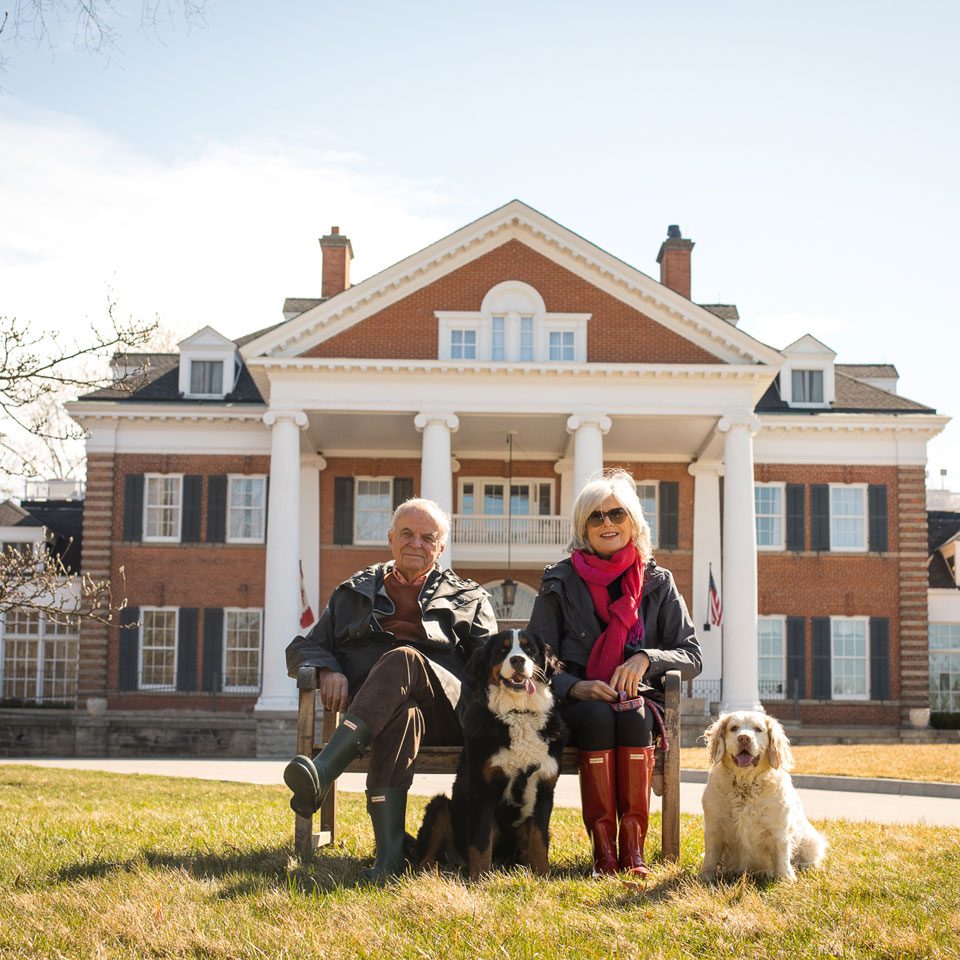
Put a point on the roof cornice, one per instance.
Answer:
(930, 423)
(90, 410)
(515, 220)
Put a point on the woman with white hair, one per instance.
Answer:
(618, 623)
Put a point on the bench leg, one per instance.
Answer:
(306, 717)
(328, 810)
(670, 842)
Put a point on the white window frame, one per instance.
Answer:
(554, 323)
(655, 525)
(781, 544)
(782, 620)
(463, 344)
(951, 651)
(154, 538)
(859, 548)
(356, 511)
(823, 387)
(241, 688)
(207, 344)
(258, 538)
(163, 687)
(532, 482)
(216, 394)
(866, 659)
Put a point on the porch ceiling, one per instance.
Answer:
(633, 437)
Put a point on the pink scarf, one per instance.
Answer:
(622, 617)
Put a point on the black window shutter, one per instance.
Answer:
(133, 506)
(879, 658)
(129, 647)
(877, 512)
(796, 657)
(796, 517)
(820, 516)
(820, 646)
(669, 534)
(343, 510)
(192, 509)
(216, 509)
(402, 490)
(187, 649)
(213, 649)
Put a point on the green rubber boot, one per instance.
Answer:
(388, 812)
(310, 780)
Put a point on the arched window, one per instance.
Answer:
(522, 607)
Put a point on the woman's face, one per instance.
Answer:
(608, 537)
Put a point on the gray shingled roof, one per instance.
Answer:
(869, 371)
(852, 396)
(13, 515)
(725, 311)
(298, 305)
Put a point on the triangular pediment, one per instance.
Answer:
(810, 346)
(518, 224)
(206, 337)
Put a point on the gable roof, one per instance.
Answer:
(13, 515)
(869, 371)
(513, 221)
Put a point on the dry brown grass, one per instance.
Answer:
(936, 762)
(96, 865)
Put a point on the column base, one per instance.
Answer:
(736, 706)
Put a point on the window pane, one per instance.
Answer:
(242, 649)
(162, 506)
(807, 386)
(21, 651)
(463, 344)
(544, 504)
(245, 511)
(60, 659)
(158, 649)
(466, 499)
(373, 511)
(769, 511)
(526, 338)
(520, 500)
(493, 499)
(498, 344)
(849, 658)
(206, 376)
(847, 517)
(647, 494)
(945, 667)
(772, 661)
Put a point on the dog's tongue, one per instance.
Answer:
(528, 685)
(746, 759)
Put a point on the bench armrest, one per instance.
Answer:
(308, 678)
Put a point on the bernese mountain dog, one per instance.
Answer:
(502, 798)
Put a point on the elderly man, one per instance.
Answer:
(390, 646)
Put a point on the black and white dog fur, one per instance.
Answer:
(513, 748)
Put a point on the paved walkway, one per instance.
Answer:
(820, 804)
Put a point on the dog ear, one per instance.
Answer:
(551, 664)
(715, 736)
(779, 754)
(476, 673)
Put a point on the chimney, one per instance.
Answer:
(674, 260)
(337, 253)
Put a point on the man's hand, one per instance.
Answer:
(629, 674)
(333, 690)
(592, 690)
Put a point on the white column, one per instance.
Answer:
(282, 586)
(436, 465)
(310, 469)
(741, 688)
(588, 431)
(706, 556)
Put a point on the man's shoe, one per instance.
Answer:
(311, 780)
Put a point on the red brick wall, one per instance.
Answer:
(616, 332)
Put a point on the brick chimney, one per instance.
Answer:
(337, 253)
(674, 260)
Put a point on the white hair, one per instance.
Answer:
(431, 507)
(621, 486)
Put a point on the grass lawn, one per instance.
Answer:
(937, 762)
(97, 865)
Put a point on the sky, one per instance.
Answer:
(810, 151)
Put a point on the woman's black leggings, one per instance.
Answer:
(594, 726)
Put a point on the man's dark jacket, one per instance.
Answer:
(348, 638)
(563, 616)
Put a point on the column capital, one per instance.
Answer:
(450, 420)
(297, 417)
(564, 463)
(731, 420)
(316, 460)
(699, 467)
(599, 420)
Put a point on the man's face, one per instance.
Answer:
(415, 542)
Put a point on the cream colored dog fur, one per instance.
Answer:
(753, 822)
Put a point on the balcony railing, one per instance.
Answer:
(484, 530)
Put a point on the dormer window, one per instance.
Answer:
(208, 365)
(513, 325)
(206, 378)
(807, 386)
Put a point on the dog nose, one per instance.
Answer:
(744, 738)
(517, 663)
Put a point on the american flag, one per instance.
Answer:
(716, 607)
(306, 614)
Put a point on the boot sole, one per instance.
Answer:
(306, 799)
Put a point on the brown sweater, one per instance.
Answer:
(406, 621)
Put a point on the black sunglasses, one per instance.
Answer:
(616, 515)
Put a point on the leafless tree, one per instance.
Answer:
(38, 371)
(96, 25)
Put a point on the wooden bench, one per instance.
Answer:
(444, 760)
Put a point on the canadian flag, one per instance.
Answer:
(306, 614)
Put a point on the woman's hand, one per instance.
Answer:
(592, 690)
(629, 675)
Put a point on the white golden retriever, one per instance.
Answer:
(753, 822)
